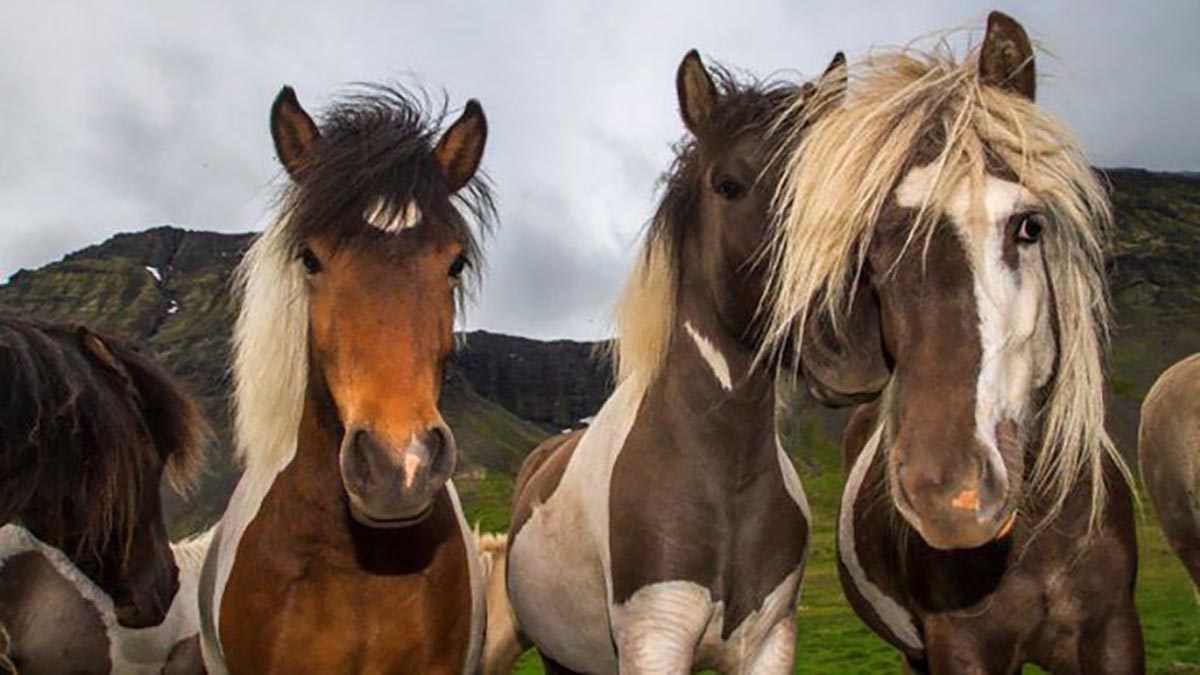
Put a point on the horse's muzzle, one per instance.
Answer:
(390, 486)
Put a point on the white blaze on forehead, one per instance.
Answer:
(1017, 343)
(381, 214)
(712, 356)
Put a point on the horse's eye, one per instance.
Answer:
(729, 188)
(311, 263)
(456, 268)
(1029, 228)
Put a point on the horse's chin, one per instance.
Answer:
(390, 521)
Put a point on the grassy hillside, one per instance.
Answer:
(167, 290)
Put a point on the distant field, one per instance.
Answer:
(831, 637)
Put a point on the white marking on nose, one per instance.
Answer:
(411, 464)
(712, 356)
(380, 214)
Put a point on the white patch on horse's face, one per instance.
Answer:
(1018, 347)
(712, 356)
(380, 214)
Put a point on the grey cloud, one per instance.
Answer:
(132, 114)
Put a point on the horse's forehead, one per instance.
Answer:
(974, 211)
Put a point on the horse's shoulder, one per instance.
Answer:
(540, 474)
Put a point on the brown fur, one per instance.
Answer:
(88, 427)
(1169, 453)
(356, 559)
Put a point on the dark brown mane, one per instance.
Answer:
(79, 414)
(744, 105)
(377, 141)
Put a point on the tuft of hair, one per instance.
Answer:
(644, 315)
(190, 552)
(375, 151)
(83, 416)
(840, 175)
(6, 663)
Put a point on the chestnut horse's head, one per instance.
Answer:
(941, 246)
(378, 250)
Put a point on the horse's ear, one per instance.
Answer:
(293, 130)
(852, 369)
(830, 91)
(460, 149)
(696, 91)
(1006, 57)
(835, 79)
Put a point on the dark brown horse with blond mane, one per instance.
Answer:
(671, 534)
(940, 253)
(89, 582)
(344, 547)
(1169, 458)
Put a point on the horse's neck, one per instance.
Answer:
(712, 379)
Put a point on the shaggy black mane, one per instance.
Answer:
(81, 417)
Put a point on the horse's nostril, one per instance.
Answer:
(439, 443)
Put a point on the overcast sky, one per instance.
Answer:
(148, 113)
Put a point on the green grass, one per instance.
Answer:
(831, 637)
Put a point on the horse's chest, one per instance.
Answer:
(737, 536)
(329, 620)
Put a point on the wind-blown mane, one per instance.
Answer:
(375, 150)
(840, 176)
(80, 417)
(644, 316)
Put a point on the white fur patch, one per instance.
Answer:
(712, 356)
(381, 215)
(478, 611)
(559, 566)
(1017, 343)
(791, 481)
(675, 627)
(658, 628)
(139, 651)
(243, 507)
(898, 619)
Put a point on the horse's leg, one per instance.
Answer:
(777, 653)
(955, 647)
(658, 628)
(1114, 646)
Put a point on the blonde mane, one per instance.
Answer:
(841, 174)
(644, 316)
(270, 364)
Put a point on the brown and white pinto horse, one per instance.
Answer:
(88, 580)
(940, 251)
(1169, 455)
(671, 534)
(344, 547)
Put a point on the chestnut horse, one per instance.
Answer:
(88, 580)
(940, 252)
(344, 547)
(672, 533)
(1169, 454)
